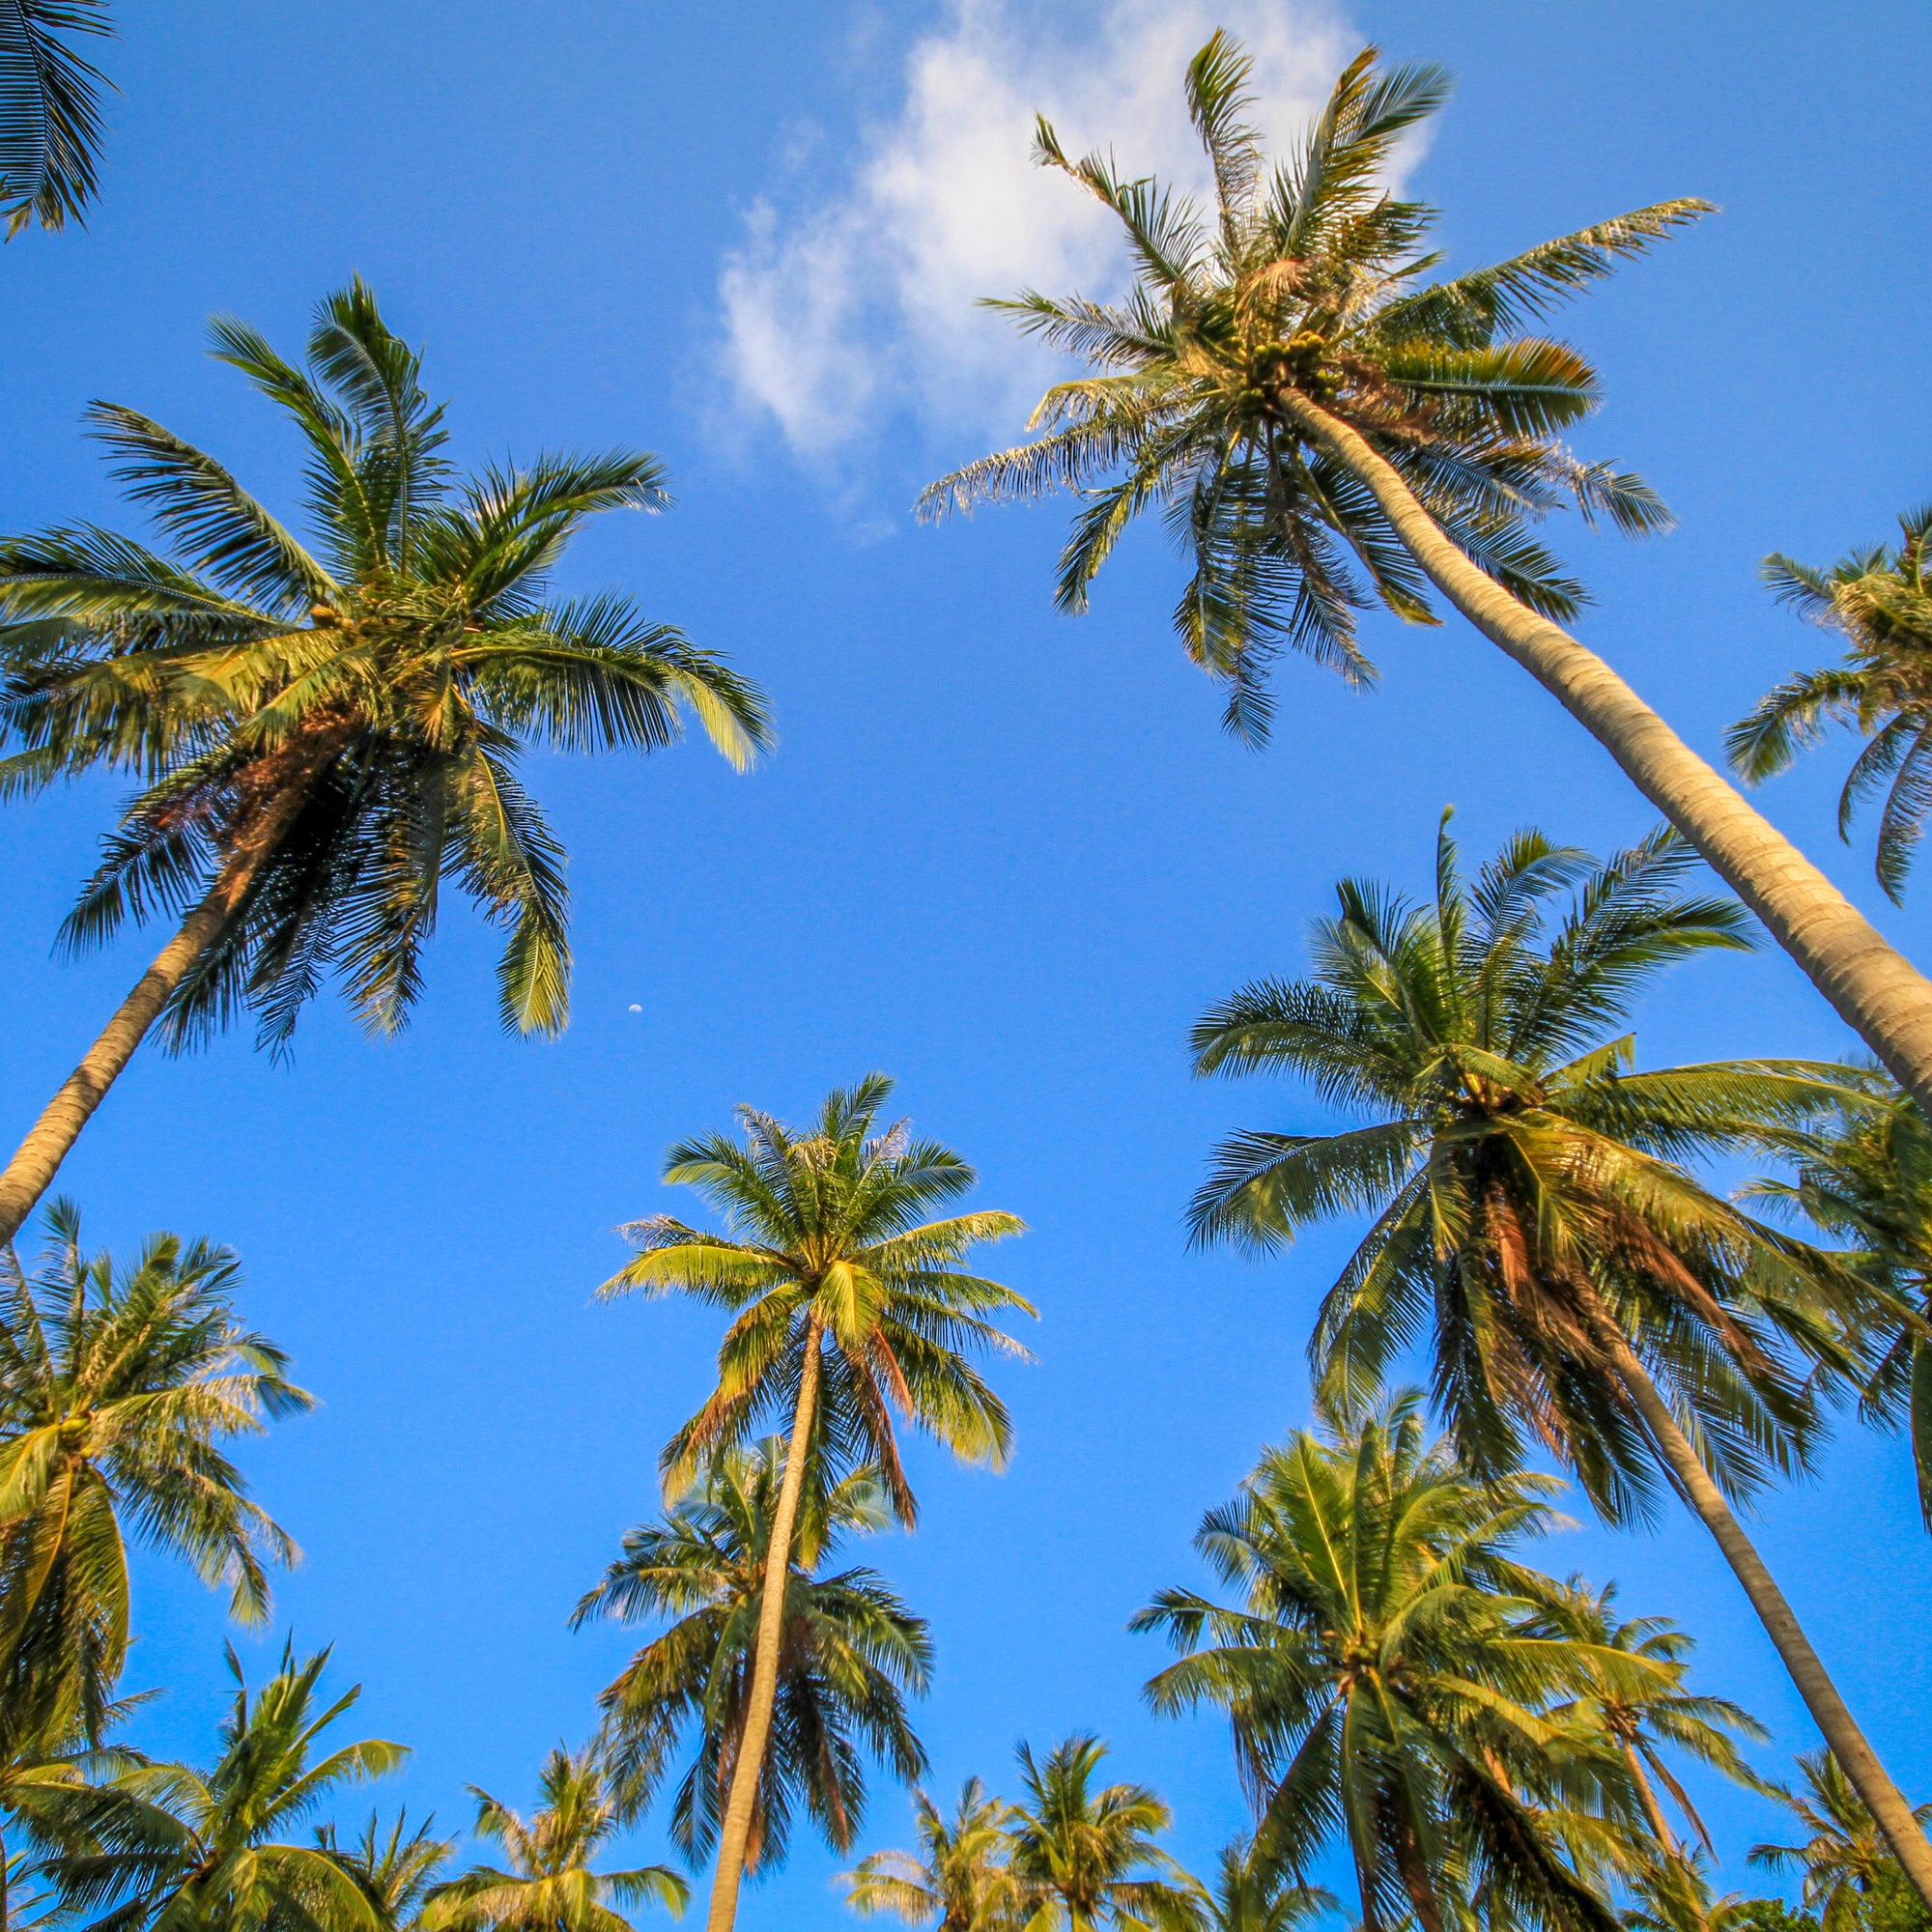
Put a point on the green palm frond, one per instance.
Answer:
(51, 124)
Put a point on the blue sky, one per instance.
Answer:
(1004, 854)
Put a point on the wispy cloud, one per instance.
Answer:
(858, 310)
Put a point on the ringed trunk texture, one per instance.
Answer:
(285, 788)
(1872, 986)
(736, 1831)
(1873, 1784)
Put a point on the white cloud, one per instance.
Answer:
(841, 316)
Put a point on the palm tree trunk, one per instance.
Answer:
(736, 1830)
(27, 1176)
(1873, 987)
(1868, 1776)
(1647, 1797)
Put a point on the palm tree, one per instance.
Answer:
(846, 1308)
(1325, 432)
(550, 1886)
(958, 1880)
(1256, 1890)
(1845, 1858)
(1879, 602)
(164, 1848)
(1084, 1859)
(49, 112)
(325, 737)
(395, 1872)
(1863, 1173)
(1390, 1671)
(116, 1389)
(1584, 1291)
(849, 1651)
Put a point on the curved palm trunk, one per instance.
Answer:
(1840, 1729)
(1647, 1797)
(736, 1831)
(27, 1176)
(1873, 987)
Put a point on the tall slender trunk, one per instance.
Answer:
(27, 1176)
(736, 1831)
(1415, 1879)
(1647, 1797)
(1869, 1777)
(1873, 987)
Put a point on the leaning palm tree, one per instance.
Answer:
(1326, 430)
(50, 111)
(1879, 602)
(1390, 1673)
(849, 1654)
(164, 1848)
(1529, 1214)
(1082, 1859)
(1845, 1858)
(846, 1307)
(325, 736)
(959, 1879)
(117, 1389)
(1863, 1174)
(550, 1886)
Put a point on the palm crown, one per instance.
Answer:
(1844, 1857)
(550, 1887)
(1523, 1181)
(1304, 286)
(849, 1653)
(1879, 602)
(116, 1389)
(343, 721)
(958, 1880)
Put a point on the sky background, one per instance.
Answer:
(1005, 856)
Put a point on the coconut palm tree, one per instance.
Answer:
(50, 111)
(846, 1308)
(1255, 1890)
(116, 1389)
(1880, 603)
(1390, 1672)
(1863, 1173)
(550, 1886)
(164, 1848)
(1581, 1290)
(395, 1872)
(1846, 1860)
(1326, 429)
(959, 1879)
(1085, 1859)
(325, 736)
(849, 1654)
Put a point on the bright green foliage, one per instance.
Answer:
(1306, 283)
(1256, 1890)
(827, 1250)
(50, 111)
(116, 1389)
(1085, 1858)
(1864, 1174)
(550, 1886)
(1879, 602)
(1524, 1183)
(1392, 1674)
(164, 1848)
(395, 1872)
(1767, 1915)
(1852, 1881)
(383, 686)
(959, 1879)
(849, 1653)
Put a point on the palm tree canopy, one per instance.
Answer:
(1389, 1673)
(825, 1249)
(1520, 1177)
(50, 111)
(1085, 1858)
(165, 1848)
(958, 1880)
(396, 1872)
(850, 1654)
(1254, 1889)
(369, 699)
(1880, 603)
(117, 1389)
(550, 1886)
(1306, 282)
(1844, 1857)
